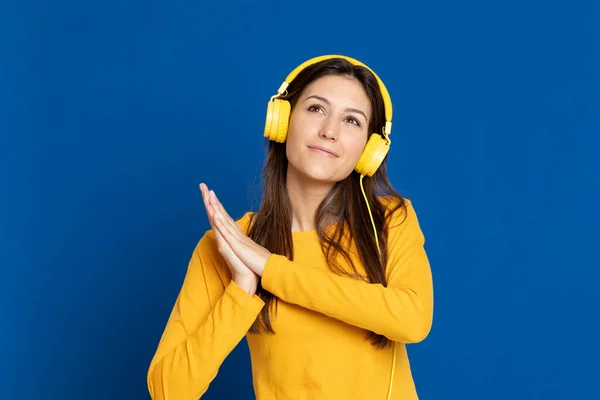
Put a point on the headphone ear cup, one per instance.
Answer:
(269, 120)
(283, 120)
(372, 156)
(272, 120)
(278, 115)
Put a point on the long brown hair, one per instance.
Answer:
(343, 207)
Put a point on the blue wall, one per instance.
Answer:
(112, 112)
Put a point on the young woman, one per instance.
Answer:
(329, 279)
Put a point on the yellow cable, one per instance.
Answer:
(379, 250)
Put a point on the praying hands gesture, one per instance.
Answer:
(244, 257)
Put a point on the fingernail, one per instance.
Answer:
(214, 196)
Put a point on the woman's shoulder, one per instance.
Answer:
(244, 221)
(396, 205)
(399, 211)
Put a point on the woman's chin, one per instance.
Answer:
(317, 174)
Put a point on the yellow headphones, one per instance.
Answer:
(278, 115)
(276, 128)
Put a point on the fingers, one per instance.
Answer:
(216, 212)
(228, 230)
(210, 211)
(222, 243)
(217, 206)
(212, 217)
(205, 198)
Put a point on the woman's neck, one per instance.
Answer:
(305, 196)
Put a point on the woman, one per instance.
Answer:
(329, 279)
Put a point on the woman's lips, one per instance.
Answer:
(323, 151)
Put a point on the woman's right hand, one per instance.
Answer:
(240, 273)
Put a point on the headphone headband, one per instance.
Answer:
(387, 101)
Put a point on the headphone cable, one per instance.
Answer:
(379, 250)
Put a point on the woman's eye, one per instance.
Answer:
(353, 121)
(319, 109)
(315, 107)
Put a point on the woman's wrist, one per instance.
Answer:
(247, 283)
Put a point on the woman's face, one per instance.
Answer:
(328, 129)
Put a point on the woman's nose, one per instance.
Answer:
(329, 131)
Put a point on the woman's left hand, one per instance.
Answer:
(252, 254)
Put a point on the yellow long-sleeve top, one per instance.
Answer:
(319, 350)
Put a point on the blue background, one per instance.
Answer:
(112, 112)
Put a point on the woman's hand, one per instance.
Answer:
(249, 252)
(240, 273)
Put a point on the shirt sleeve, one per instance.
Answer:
(402, 311)
(210, 317)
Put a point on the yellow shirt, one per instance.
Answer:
(319, 350)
